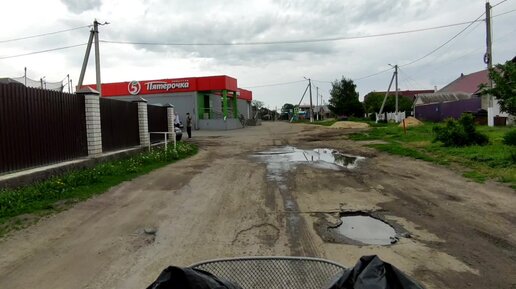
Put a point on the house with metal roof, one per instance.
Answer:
(459, 96)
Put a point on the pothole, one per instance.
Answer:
(366, 229)
(320, 157)
(358, 228)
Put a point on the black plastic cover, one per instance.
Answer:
(371, 272)
(188, 278)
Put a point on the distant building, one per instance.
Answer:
(409, 94)
(459, 96)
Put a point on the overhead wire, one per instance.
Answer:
(298, 41)
(43, 34)
(42, 51)
(275, 84)
(442, 45)
(373, 74)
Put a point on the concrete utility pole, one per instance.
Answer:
(311, 106)
(386, 94)
(396, 93)
(488, 57)
(317, 101)
(97, 56)
(94, 35)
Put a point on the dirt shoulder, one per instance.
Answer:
(222, 203)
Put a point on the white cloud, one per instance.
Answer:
(245, 21)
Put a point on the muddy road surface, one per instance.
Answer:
(266, 191)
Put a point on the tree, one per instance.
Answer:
(373, 102)
(504, 77)
(257, 104)
(287, 110)
(344, 98)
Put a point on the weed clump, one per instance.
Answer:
(510, 138)
(460, 133)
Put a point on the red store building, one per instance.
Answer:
(215, 102)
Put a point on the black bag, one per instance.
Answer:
(188, 278)
(371, 272)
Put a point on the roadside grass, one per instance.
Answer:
(325, 122)
(495, 161)
(21, 206)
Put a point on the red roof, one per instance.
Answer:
(245, 94)
(467, 83)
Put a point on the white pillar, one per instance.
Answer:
(143, 123)
(170, 118)
(93, 128)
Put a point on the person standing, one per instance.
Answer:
(189, 125)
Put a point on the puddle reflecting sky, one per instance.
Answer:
(367, 230)
(288, 157)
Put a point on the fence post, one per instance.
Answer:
(92, 112)
(143, 122)
(171, 117)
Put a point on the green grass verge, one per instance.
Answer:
(56, 193)
(495, 161)
(326, 122)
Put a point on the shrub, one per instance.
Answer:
(510, 138)
(459, 133)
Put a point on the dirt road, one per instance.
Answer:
(226, 202)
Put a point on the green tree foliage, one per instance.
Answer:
(344, 98)
(287, 108)
(510, 137)
(459, 133)
(373, 103)
(257, 104)
(504, 77)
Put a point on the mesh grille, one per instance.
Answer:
(274, 272)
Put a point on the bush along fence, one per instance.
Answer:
(41, 127)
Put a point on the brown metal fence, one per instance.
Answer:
(157, 116)
(119, 124)
(39, 127)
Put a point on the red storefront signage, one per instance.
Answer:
(161, 86)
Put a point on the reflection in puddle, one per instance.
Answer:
(282, 160)
(367, 230)
(322, 158)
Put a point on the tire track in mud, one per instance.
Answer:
(278, 181)
(300, 239)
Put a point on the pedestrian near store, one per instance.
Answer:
(189, 125)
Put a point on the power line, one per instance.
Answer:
(374, 74)
(498, 3)
(506, 12)
(299, 41)
(43, 34)
(275, 84)
(442, 45)
(322, 81)
(42, 51)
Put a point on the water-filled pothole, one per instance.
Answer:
(320, 157)
(364, 228)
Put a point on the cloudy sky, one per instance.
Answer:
(258, 67)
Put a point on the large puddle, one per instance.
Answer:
(288, 157)
(367, 230)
